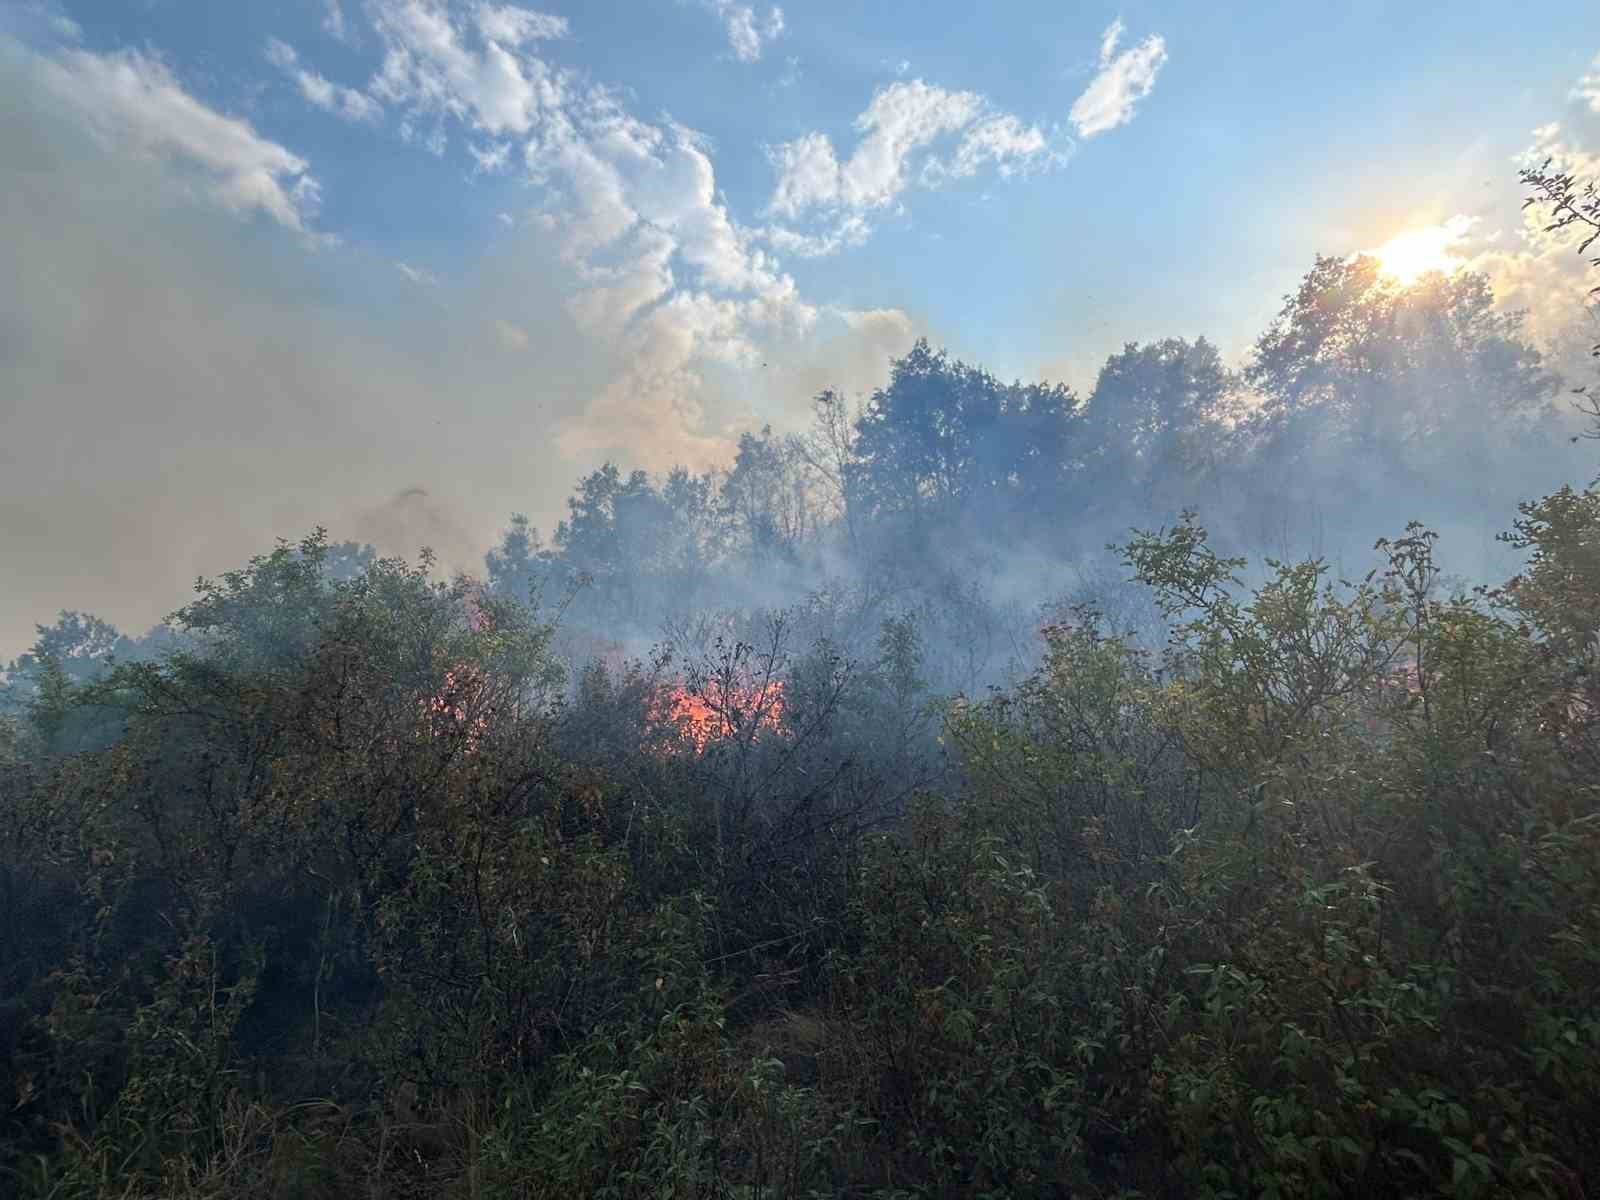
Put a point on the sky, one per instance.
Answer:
(403, 267)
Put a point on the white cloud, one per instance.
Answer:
(808, 174)
(133, 100)
(1124, 79)
(746, 36)
(1587, 89)
(513, 26)
(430, 67)
(1002, 140)
(333, 22)
(851, 230)
(903, 120)
(671, 280)
(491, 159)
(506, 219)
(1539, 270)
(668, 280)
(346, 102)
(1109, 40)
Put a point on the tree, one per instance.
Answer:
(767, 496)
(633, 541)
(1391, 364)
(946, 438)
(1362, 377)
(1153, 422)
(520, 564)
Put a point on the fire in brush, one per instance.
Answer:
(721, 710)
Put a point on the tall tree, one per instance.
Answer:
(769, 496)
(1153, 425)
(1429, 380)
(945, 439)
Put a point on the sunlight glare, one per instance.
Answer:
(1408, 256)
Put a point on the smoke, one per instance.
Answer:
(187, 381)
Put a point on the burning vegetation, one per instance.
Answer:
(718, 710)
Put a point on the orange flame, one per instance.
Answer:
(721, 711)
(463, 684)
(453, 704)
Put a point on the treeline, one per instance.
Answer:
(968, 503)
(1365, 397)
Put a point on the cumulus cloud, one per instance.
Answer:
(1123, 80)
(434, 65)
(747, 36)
(668, 282)
(1536, 269)
(346, 102)
(671, 279)
(132, 100)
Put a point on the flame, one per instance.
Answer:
(720, 710)
(459, 703)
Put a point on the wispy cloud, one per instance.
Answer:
(333, 22)
(133, 99)
(490, 159)
(513, 26)
(747, 37)
(851, 230)
(416, 274)
(898, 130)
(1123, 80)
(1587, 89)
(346, 102)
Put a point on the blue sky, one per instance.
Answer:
(374, 247)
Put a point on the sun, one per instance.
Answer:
(1406, 257)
